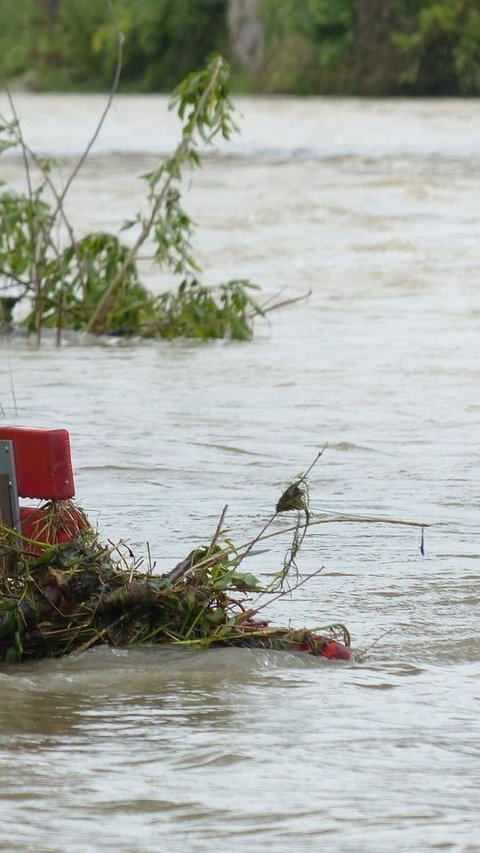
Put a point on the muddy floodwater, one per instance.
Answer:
(373, 206)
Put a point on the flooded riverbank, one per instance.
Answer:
(372, 207)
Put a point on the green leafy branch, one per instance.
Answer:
(93, 284)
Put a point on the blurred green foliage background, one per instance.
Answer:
(359, 47)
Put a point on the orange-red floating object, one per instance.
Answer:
(42, 462)
(336, 651)
(40, 525)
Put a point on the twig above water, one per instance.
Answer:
(266, 308)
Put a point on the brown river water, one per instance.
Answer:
(374, 207)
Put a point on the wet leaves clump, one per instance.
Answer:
(63, 597)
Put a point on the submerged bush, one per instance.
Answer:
(93, 283)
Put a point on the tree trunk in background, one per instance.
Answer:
(374, 60)
(245, 33)
(50, 7)
(373, 20)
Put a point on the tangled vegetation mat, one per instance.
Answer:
(62, 597)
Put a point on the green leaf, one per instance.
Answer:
(245, 581)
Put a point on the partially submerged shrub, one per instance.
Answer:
(93, 283)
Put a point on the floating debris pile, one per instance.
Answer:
(63, 591)
(66, 597)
